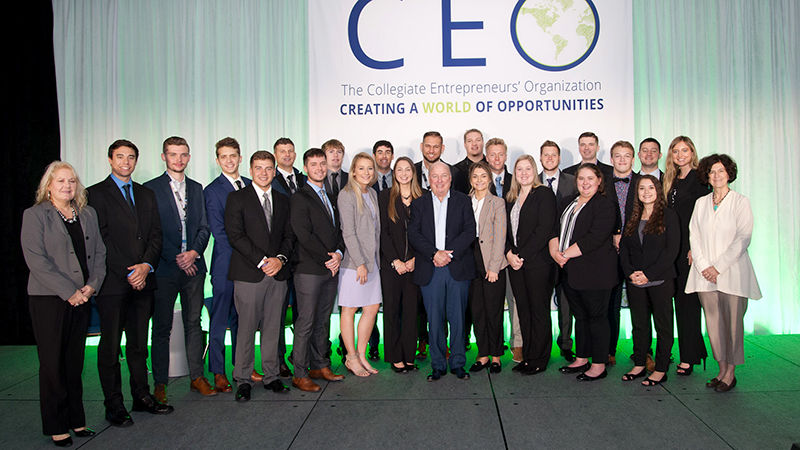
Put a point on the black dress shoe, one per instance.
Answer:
(119, 417)
(286, 372)
(243, 393)
(576, 369)
(495, 368)
(568, 355)
(374, 354)
(584, 377)
(520, 367)
(478, 366)
(460, 373)
(436, 374)
(277, 387)
(532, 370)
(149, 404)
(401, 369)
(66, 442)
(86, 432)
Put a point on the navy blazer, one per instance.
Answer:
(281, 185)
(654, 255)
(459, 236)
(197, 231)
(216, 196)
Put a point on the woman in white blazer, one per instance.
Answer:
(721, 274)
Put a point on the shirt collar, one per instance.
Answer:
(316, 188)
(119, 182)
(286, 174)
(261, 192)
(233, 180)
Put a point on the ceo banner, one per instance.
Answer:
(525, 70)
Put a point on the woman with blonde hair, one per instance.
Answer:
(359, 278)
(66, 256)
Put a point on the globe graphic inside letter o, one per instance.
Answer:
(555, 35)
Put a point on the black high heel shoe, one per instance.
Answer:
(576, 369)
(401, 369)
(684, 371)
(650, 382)
(632, 376)
(86, 432)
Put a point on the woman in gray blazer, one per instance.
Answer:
(67, 260)
(359, 278)
(487, 290)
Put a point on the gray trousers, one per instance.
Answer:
(191, 295)
(258, 303)
(312, 326)
(725, 325)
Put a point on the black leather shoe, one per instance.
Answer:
(460, 373)
(532, 370)
(286, 372)
(495, 368)
(478, 366)
(243, 393)
(568, 355)
(520, 367)
(66, 442)
(576, 369)
(119, 417)
(277, 387)
(149, 404)
(436, 374)
(374, 354)
(86, 432)
(401, 369)
(584, 377)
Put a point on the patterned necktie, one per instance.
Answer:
(128, 198)
(335, 184)
(498, 185)
(238, 184)
(292, 186)
(267, 210)
(324, 196)
(384, 186)
(550, 182)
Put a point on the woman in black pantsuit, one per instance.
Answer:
(583, 246)
(67, 260)
(682, 188)
(649, 246)
(531, 218)
(400, 294)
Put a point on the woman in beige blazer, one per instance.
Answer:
(67, 260)
(721, 273)
(359, 277)
(487, 290)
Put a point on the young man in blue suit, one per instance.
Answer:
(181, 268)
(223, 312)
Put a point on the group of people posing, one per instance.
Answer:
(442, 247)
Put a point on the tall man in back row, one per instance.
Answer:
(441, 231)
(588, 145)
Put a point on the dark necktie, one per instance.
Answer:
(624, 180)
(238, 184)
(335, 184)
(292, 186)
(550, 182)
(128, 198)
(267, 211)
(324, 196)
(384, 186)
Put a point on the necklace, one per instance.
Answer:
(74, 217)
(406, 197)
(717, 202)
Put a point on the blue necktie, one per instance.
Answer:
(498, 185)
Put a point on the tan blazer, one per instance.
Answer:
(492, 233)
(360, 231)
(48, 251)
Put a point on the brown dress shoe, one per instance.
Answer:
(612, 360)
(516, 354)
(201, 385)
(221, 383)
(256, 377)
(305, 384)
(325, 373)
(160, 393)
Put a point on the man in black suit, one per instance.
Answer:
(565, 189)
(337, 177)
(588, 145)
(383, 152)
(131, 228)
(621, 188)
(315, 222)
(287, 178)
(649, 155)
(442, 231)
(473, 144)
(182, 269)
(256, 221)
(432, 146)
(496, 156)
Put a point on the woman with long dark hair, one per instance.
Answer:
(649, 246)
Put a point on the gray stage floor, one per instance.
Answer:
(548, 410)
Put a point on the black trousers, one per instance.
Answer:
(532, 288)
(400, 299)
(130, 312)
(486, 302)
(688, 316)
(655, 301)
(60, 332)
(590, 308)
(614, 308)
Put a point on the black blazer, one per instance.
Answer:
(597, 267)
(129, 238)
(654, 255)
(250, 238)
(566, 192)
(315, 233)
(280, 184)
(537, 219)
(342, 183)
(461, 173)
(459, 237)
(611, 193)
(506, 184)
(394, 235)
(197, 230)
(376, 186)
(684, 193)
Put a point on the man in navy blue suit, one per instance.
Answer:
(181, 268)
(442, 231)
(223, 312)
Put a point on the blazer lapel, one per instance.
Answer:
(484, 216)
(166, 189)
(252, 197)
(116, 194)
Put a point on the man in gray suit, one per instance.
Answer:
(563, 185)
